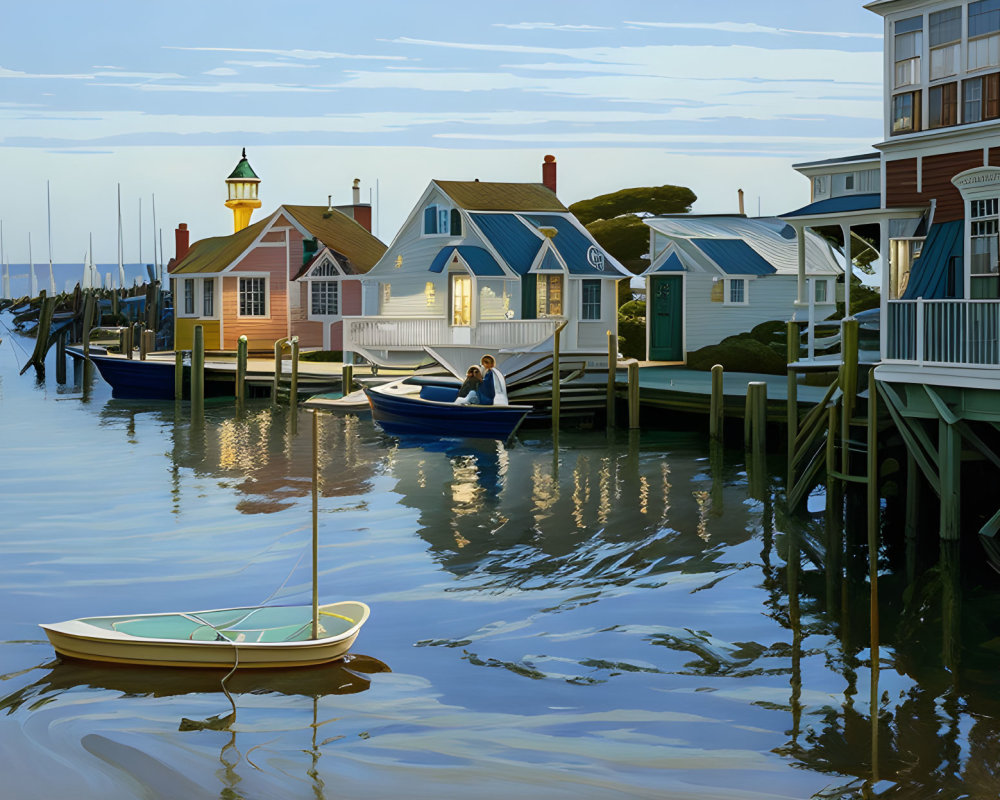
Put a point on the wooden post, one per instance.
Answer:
(849, 387)
(873, 541)
(315, 527)
(143, 342)
(612, 377)
(757, 411)
(949, 465)
(128, 342)
(717, 410)
(61, 357)
(178, 375)
(792, 402)
(114, 305)
(88, 323)
(198, 374)
(278, 346)
(346, 379)
(241, 370)
(293, 389)
(150, 340)
(633, 395)
(556, 386)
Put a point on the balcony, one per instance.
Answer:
(944, 332)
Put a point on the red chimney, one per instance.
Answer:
(182, 241)
(549, 173)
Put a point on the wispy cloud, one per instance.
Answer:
(305, 55)
(549, 26)
(272, 64)
(219, 88)
(221, 72)
(13, 73)
(751, 27)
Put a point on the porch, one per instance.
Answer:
(943, 332)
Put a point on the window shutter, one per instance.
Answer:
(430, 219)
(991, 96)
(456, 222)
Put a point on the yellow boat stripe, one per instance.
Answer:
(338, 616)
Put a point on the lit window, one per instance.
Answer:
(253, 297)
(549, 296)
(908, 46)
(208, 298)
(461, 300)
(189, 295)
(906, 112)
(591, 294)
(325, 296)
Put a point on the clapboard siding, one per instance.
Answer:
(901, 183)
(937, 174)
(261, 332)
(994, 157)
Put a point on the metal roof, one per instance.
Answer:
(483, 196)
(517, 244)
(583, 256)
(839, 205)
(929, 277)
(772, 239)
(672, 264)
(550, 262)
(243, 170)
(734, 256)
(872, 156)
(479, 260)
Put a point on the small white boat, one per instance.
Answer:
(255, 636)
(266, 636)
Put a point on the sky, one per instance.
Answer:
(160, 98)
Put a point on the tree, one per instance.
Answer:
(665, 199)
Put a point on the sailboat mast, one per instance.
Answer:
(5, 286)
(48, 204)
(140, 231)
(155, 265)
(121, 246)
(315, 521)
(32, 278)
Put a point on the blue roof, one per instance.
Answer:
(672, 264)
(574, 246)
(479, 260)
(516, 243)
(839, 205)
(929, 277)
(734, 256)
(549, 261)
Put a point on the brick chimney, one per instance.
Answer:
(182, 241)
(549, 173)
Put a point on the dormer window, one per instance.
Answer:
(442, 221)
(908, 44)
(984, 34)
(945, 42)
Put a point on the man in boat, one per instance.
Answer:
(493, 389)
(469, 393)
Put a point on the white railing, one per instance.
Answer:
(944, 332)
(413, 333)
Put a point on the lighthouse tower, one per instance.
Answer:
(242, 193)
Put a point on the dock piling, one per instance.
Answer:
(612, 377)
(556, 387)
(88, 322)
(198, 374)
(241, 370)
(346, 379)
(717, 406)
(61, 357)
(792, 401)
(633, 395)
(293, 388)
(755, 417)
(278, 347)
(178, 375)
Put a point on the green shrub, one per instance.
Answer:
(738, 354)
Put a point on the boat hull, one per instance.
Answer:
(81, 639)
(410, 415)
(135, 379)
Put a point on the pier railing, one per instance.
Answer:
(944, 332)
(412, 333)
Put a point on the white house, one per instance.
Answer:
(489, 266)
(715, 276)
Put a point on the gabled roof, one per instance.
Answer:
(737, 245)
(483, 196)
(671, 264)
(577, 247)
(243, 170)
(479, 260)
(333, 229)
(516, 243)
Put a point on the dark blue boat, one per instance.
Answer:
(152, 379)
(434, 413)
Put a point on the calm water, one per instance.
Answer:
(615, 619)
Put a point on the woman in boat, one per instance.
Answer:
(469, 393)
(493, 389)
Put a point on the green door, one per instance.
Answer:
(666, 318)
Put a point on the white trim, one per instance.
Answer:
(267, 297)
(727, 283)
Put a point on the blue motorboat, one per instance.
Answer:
(434, 412)
(149, 379)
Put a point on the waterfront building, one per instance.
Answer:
(939, 158)
(294, 273)
(487, 266)
(716, 276)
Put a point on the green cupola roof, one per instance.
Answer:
(243, 170)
